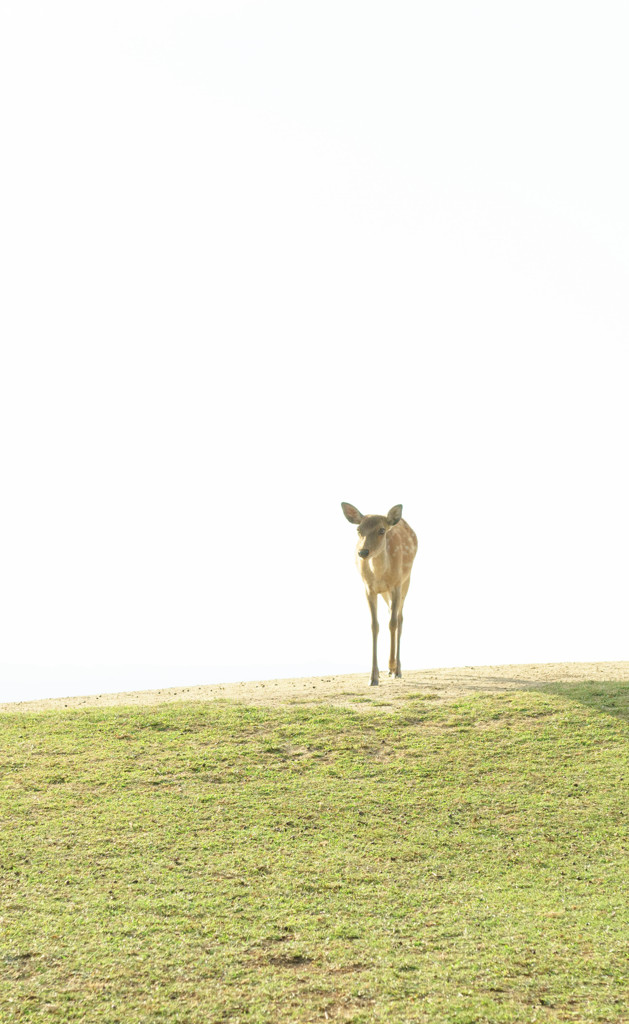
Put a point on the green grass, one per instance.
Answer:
(218, 863)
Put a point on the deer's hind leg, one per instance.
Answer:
(400, 619)
(395, 601)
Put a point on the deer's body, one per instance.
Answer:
(384, 555)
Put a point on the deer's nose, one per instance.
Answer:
(363, 552)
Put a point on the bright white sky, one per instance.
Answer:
(260, 258)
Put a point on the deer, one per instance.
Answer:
(384, 556)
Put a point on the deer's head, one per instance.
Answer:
(372, 530)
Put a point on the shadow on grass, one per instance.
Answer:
(610, 698)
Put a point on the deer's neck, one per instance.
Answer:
(381, 561)
(374, 571)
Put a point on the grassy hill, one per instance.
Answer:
(207, 863)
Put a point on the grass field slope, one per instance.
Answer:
(226, 863)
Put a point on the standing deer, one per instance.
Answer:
(384, 556)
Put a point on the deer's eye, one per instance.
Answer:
(381, 530)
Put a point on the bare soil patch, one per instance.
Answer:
(443, 685)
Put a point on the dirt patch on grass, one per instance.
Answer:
(353, 691)
(290, 960)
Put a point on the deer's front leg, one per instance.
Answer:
(373, 608)
(400, 619)
(395, 625)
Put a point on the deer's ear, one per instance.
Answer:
(394, 515)
(351, 512)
